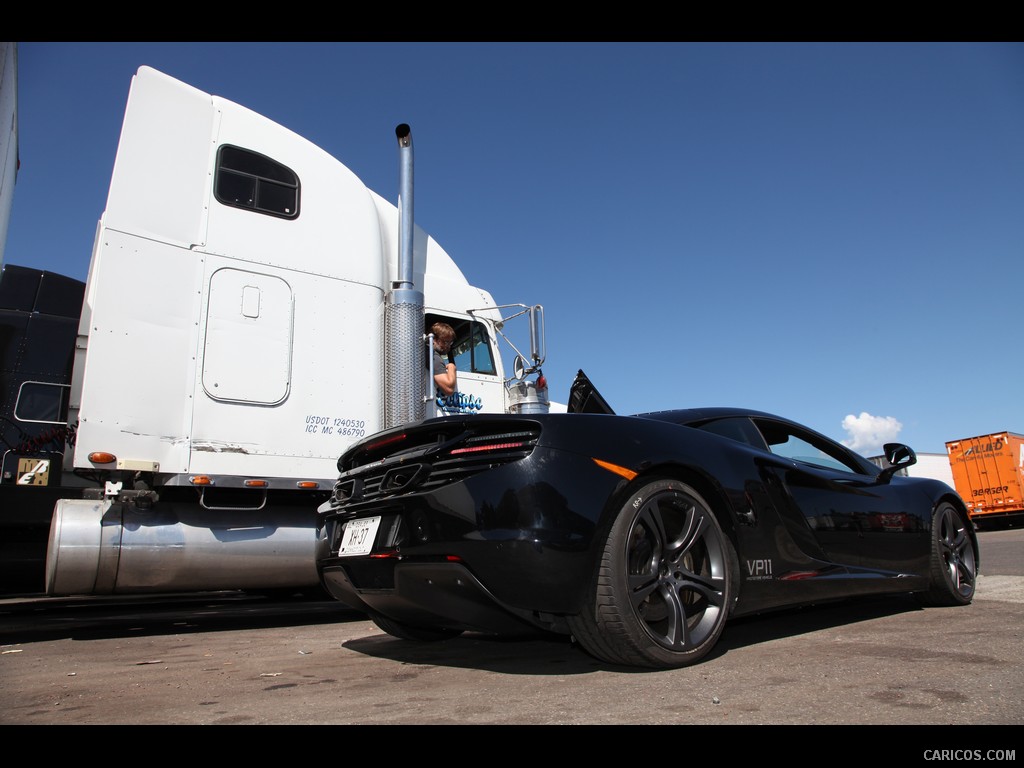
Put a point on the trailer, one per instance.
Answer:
(251, 309)
(988, 471)
(39, 313)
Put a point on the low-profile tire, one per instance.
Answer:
(953, 559)
(408, 632)
(665, 584)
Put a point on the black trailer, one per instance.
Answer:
(39, 316)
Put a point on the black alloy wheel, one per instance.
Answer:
(953, 559)
(665, 584)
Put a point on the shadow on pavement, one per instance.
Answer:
(91, 618)
(558, 655)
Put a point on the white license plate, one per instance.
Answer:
(357, 536)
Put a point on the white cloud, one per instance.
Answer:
(868, 433)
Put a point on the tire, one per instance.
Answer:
(417, 634)
(665, 583)
(953, 560)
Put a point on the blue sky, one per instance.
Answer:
(832, 232)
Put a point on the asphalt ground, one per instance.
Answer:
(235, 659)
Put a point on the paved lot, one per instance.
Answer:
(235, 659)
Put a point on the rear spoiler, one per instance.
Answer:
(584, 397)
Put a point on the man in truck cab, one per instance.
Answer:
(444, 370)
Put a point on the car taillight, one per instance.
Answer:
(503, 442)
(490, 447)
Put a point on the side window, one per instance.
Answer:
(473, 351)
(805, 448)
(250, 180)
(472, 347)
(735, 429)
(39, 401)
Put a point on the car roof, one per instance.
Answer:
(692, 415)
(695, 416)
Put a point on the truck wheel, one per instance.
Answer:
(953, 559)
(665, 584)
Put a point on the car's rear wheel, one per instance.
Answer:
(953, 559)
(665, 583)
(408, 632)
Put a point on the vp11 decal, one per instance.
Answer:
(759, 570)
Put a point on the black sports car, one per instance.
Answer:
(639, 535)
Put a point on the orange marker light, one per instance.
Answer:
(629, 474)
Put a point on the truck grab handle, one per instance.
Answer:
(428, 391)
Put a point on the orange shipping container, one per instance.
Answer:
(988, 471)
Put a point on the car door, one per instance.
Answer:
(857, 520)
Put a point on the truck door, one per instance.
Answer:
(479, 388)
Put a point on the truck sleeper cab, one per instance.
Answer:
(232, 345)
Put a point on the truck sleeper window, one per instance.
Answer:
(250, 180)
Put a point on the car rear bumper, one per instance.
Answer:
(434, 594)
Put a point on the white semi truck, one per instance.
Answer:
(251, 308)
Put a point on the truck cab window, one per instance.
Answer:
(250, 180)
(473, 352)
(472, 347)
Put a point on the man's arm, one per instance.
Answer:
(446, 381)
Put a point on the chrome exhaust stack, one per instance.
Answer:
(403, 314)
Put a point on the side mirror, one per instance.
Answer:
(538, 345)
(899, 456)
(519, 367)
